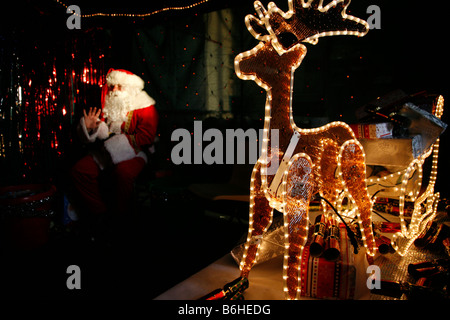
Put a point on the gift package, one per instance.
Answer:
(326, 279)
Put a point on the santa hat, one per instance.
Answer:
(124, 78)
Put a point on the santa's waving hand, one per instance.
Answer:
(127, 127)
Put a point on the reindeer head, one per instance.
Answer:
(305, 21)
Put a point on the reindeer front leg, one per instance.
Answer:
(353, 171)
(297, 190)
(260, 218)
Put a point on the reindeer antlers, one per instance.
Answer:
(257, 26)
(325, 21)
(305, 21)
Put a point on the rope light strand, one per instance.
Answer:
(135, 15)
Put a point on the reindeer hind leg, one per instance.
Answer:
(353, 173)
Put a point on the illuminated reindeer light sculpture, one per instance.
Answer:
(299, 163)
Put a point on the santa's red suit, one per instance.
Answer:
(123, 152)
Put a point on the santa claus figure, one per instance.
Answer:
(122, 133)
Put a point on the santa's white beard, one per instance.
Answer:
(117, 105)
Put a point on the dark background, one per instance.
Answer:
(47, 60)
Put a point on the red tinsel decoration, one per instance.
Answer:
(49, 84)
